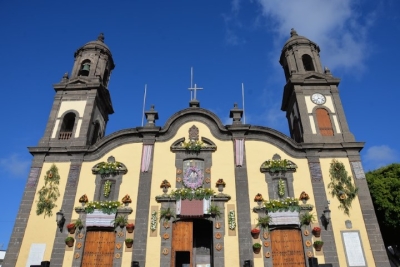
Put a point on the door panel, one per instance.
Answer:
(287, 248)
(182, 240)
(99, 249)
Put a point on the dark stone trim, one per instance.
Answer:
(24, 211)
(142, 214)
(58, 252)
(371, 222)
(319, 194)
(285, 176)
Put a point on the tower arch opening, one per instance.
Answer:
(67, 126)
(307, 63)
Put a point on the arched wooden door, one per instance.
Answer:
(99, 249)
(182, 243)
(287, 248)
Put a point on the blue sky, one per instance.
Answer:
(226, 42)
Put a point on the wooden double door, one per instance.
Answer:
(192, 244)
(287, 248)
(99, 249)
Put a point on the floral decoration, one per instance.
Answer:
(316, 229)
(83, 199)
(304, 196)
(220, 182)
(258, 198)
(193, 177)
(165, 184)
(281, 188)
(49, 192)
(107, 207)
(231, 220)
(153, 223)
(126, 199)
(107, 188)
(278, 165)
(287, 204)
(108, 168)
(70, 226)
(187, 193)
(255, 231)
(193, 145)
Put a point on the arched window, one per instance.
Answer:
(96, 133)
(85, 68)
(67, 126)
(324, 122)
(307, 63)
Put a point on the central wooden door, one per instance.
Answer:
(287, 248)
(182, 244)
(99, 249)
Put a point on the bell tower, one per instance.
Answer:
(311, 97)
(82, 103)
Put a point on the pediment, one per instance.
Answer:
(314, 76)
(78, 81)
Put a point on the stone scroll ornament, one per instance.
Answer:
(49, 192)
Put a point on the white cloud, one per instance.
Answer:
(15, 165)
(378, 156)
(335, 26)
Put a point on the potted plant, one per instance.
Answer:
(304, 197)
(255, 233)
(83, 199)
(71, 228)
(126, 200)
(69, 241)
(130, 227)
(120, 221)
(256, 248)
(128, 242)
(215, 211)
(78, 224)
(307, 218)
(318, 245)
(165, 185)
(264, 221)
(220, 184)
(166, 214)
(258, 198)
(316, 231)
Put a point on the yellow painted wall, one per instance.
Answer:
(338, 217)
(40, 229)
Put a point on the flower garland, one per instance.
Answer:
(279, 165)
(49, 192)
(106, 207)
(193, 145)
(187, 193)
(153, 223)
(287, 204)
(193, 177)
(107, 188)
(231, 220)
(281, 188)
(106, 168)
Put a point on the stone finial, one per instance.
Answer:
(101, 37)
(151, 117)
(327, 71)
(194, 103)
(236, 114)
(65, 78)
(293, 33)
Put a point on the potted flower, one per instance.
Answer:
(71, 228)
(264, 221)
(255, 233)
(316, 231)
(318, 245)
(165, 185)
(215, 211)
(166, 214)
(120, 221)
(78, 224)
(304, 197)
(83, 199)
(128, 242)
(258, 198)
(307, 218)
(130, 227)
(220, 184)
(69, 241)
(126, 200)
(256, 248)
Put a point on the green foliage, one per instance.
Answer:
(214, 210)
(341, 186)
(256, 245)
(106, 207)
(318, 243)
(108, 168)
(49, 192)
(69, 238)
(79, 223)
(264, 221)
(188, 193)
(384, 186)
(307, 218)
(278, 165)
(120, 221)
(166, 214)
(129, 240)
(287, 204)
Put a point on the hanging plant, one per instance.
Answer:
(107, 188)
(106, 207)
(231, 220)
(278, 165)
(187, 193)
(281, 188)
(341, 186)
(49, 192)
(153, 223)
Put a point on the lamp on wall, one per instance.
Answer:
(60, 220)
(326, 217)
(247, 263)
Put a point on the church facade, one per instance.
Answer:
(195, 192)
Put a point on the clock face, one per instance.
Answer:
(318, 99)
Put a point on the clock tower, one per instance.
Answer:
(311, 97)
